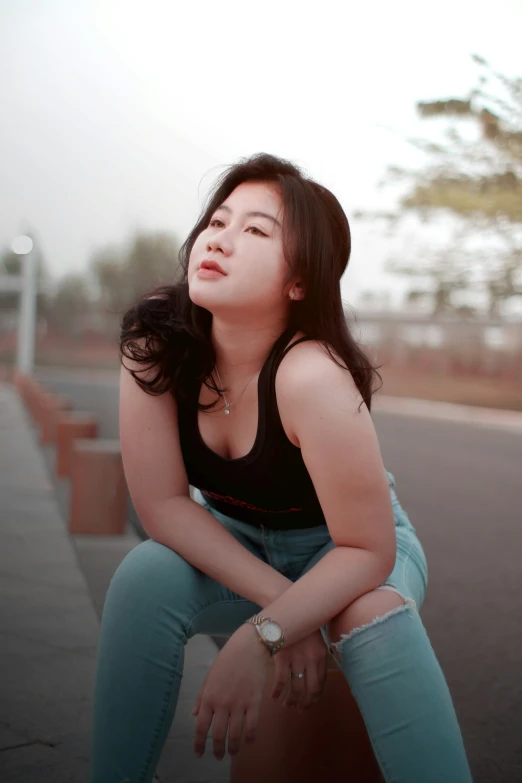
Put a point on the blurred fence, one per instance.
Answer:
(445, 345)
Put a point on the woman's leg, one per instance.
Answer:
(395, 677)
(401, 691)
(155, 602)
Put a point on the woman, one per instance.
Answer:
(294, 518)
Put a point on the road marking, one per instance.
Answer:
(430, 409)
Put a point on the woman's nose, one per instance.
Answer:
(220, 241)
(212, 246)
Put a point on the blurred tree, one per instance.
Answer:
(152, 261)
(475, 179)
(479, 177)
(442, 277)
(107, 271)
(115, 278)
(376, 299)
(121, 275)
(70, 305)
(10, 262)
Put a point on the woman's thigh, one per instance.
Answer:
(156, 585)
(410, 573)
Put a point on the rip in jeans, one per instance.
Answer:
(336, 647)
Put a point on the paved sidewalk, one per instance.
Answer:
(52, 591)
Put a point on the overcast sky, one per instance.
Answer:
(116, 115)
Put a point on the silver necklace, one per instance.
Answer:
(228, 404)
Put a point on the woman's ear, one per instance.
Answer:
(298, 291)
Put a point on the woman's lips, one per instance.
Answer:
(209, 273)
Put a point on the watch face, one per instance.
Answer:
(271, 631)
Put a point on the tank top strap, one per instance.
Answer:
(277, 356)
(288, 347)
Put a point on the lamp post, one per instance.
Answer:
(23, 246)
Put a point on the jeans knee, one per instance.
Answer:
(407, 606)
(149, 576)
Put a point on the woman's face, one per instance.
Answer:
(244, 237)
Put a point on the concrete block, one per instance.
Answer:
(326, 742)
(52, 406)
(70, 427)
(98, 489)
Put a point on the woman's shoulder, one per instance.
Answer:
(307, 374)
(311, 365)
(310, 356)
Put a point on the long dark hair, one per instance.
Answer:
(170, 335)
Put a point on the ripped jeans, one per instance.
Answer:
(157, 601)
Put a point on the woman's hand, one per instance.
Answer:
(231, 693)
(308, 656)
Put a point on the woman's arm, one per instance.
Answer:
(158, 485)
(319, 404)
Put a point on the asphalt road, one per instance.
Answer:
(461, 485)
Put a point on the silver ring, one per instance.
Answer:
(300, 675)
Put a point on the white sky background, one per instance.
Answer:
(116, 115)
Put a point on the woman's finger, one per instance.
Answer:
(297, 689)
(219, 732)
(251, 721)
(195, 708)
(235, 729)
(282, 673)
(314, 685)
(202, 728)
(197, 705)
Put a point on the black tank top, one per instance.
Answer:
(270, 485)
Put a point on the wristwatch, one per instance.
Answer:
(270, 632)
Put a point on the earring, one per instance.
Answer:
(292, 294)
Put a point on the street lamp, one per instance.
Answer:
(23, 246)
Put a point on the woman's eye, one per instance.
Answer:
(217, 223)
